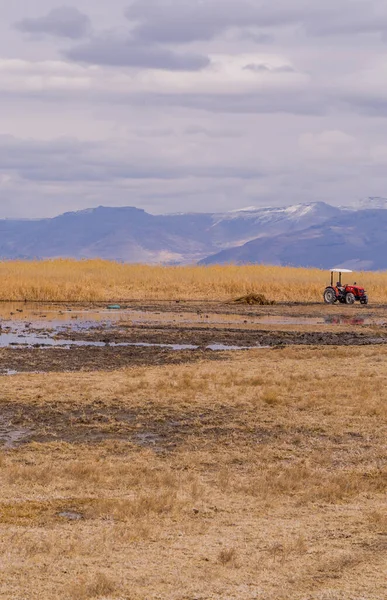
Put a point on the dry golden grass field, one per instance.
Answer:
(95, 280)
(259, 477)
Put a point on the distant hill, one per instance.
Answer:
(354, 239)
(313, 234)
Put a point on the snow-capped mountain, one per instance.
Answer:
(238, 227)
(352, 239)
(313, 234)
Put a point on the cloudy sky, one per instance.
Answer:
(191, 105)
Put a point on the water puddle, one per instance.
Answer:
(28, 326)
(323, 320)
(39, 326)
(56, 316)
(71, 515)
(333, 320)
(42, 313)
(30, 339)
(42, 343)
(147, 439)
(223, 347)
(11, 438)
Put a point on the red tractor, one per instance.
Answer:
(346, 294)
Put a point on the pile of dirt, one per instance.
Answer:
(255, 299)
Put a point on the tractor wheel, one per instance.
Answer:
(330, 296)
(350, 298)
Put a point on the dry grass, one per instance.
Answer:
(100, 586)
(96, 280)
(267, 479)
(228, 556)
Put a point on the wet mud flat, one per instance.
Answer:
(204, 337)
(191, 311)
(42, 360)
(207, 345)
(43, 338)
(159, 428)
(164, 470)
(231, 307)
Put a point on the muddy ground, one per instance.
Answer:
(159, 428)
(249, 476)
(38, 360)
(230, 324)
(155, 427)
(227, 336)
(212, 329)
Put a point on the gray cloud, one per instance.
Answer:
(111, 50)
(69, 160)
(182, 21)
(346, 17)
(65, 21)
(256, 37)
(367, 103)
(307, 103)
(195, 130)
(263, 68)
(304, 102)
(250, 129)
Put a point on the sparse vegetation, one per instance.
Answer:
(99, 587)
(200, 478)
(96, 280)
(227, 557)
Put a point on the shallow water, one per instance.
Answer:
(71, 515)
(20, 311)
(10, 438)
(323, 320)
(40, 326)
(30, 339)
(56, 316)
(45, 325)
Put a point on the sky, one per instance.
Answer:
(191, 105)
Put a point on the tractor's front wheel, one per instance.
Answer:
(330, 296)
(350, 298)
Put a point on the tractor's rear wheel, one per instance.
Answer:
(330, 296)
(350, 298)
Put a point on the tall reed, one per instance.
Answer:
(98, 280)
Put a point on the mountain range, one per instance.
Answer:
(311, 235)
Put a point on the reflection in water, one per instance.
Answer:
(34, 340)
(336, 320)
(322, 320)
(40, 316)
(39, 325)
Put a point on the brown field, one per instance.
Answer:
(94, 280)
(258, 477)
